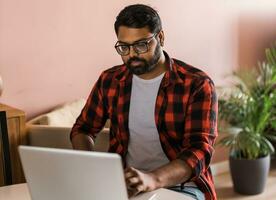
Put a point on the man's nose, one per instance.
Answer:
(132, 52)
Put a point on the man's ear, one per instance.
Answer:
(161, 37)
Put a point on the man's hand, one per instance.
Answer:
(138, 181)
(82, 142)
(173, 173)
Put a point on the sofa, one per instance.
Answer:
(52, 129)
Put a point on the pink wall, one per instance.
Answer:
(256, 33)
(53, 51)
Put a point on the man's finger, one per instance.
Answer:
(133, 181)
(130, 169)
(134, 191)
(130, 172)
(140, 188)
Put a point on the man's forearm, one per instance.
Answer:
(82, 142)
(171, 174)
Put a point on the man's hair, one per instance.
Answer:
(138, 16)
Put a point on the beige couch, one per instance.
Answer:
(53, 129)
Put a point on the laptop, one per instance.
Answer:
(63, 174)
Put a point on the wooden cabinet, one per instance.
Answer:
(17, 136)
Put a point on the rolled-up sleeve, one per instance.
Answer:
(200, 127)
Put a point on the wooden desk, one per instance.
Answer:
(17, 136)
(15, 192)
(21, 192)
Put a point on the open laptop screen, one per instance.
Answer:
(70, 174)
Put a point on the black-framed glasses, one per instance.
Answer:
(139, 47)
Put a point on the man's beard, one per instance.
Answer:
(145, 66)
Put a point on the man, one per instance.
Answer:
(163, 112)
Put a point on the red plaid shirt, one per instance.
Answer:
(185, 116)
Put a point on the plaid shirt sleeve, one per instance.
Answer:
(93, 116)
(200, 127)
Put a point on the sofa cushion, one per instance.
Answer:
(62, 116)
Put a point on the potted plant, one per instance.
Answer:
(248, 114)
(270, 76)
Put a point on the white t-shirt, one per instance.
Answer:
(144, 149)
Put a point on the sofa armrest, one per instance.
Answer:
(49, 136)
(59, 137)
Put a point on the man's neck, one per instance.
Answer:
(158, 70)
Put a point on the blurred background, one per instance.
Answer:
(53, 51)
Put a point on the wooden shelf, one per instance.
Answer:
(17, 136)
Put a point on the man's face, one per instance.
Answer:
(139, 62)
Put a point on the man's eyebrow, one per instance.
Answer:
(137, 41)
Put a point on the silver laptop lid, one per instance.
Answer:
(60, 174)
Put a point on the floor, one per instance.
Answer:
(225, 190)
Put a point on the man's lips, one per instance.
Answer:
(136, 63)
